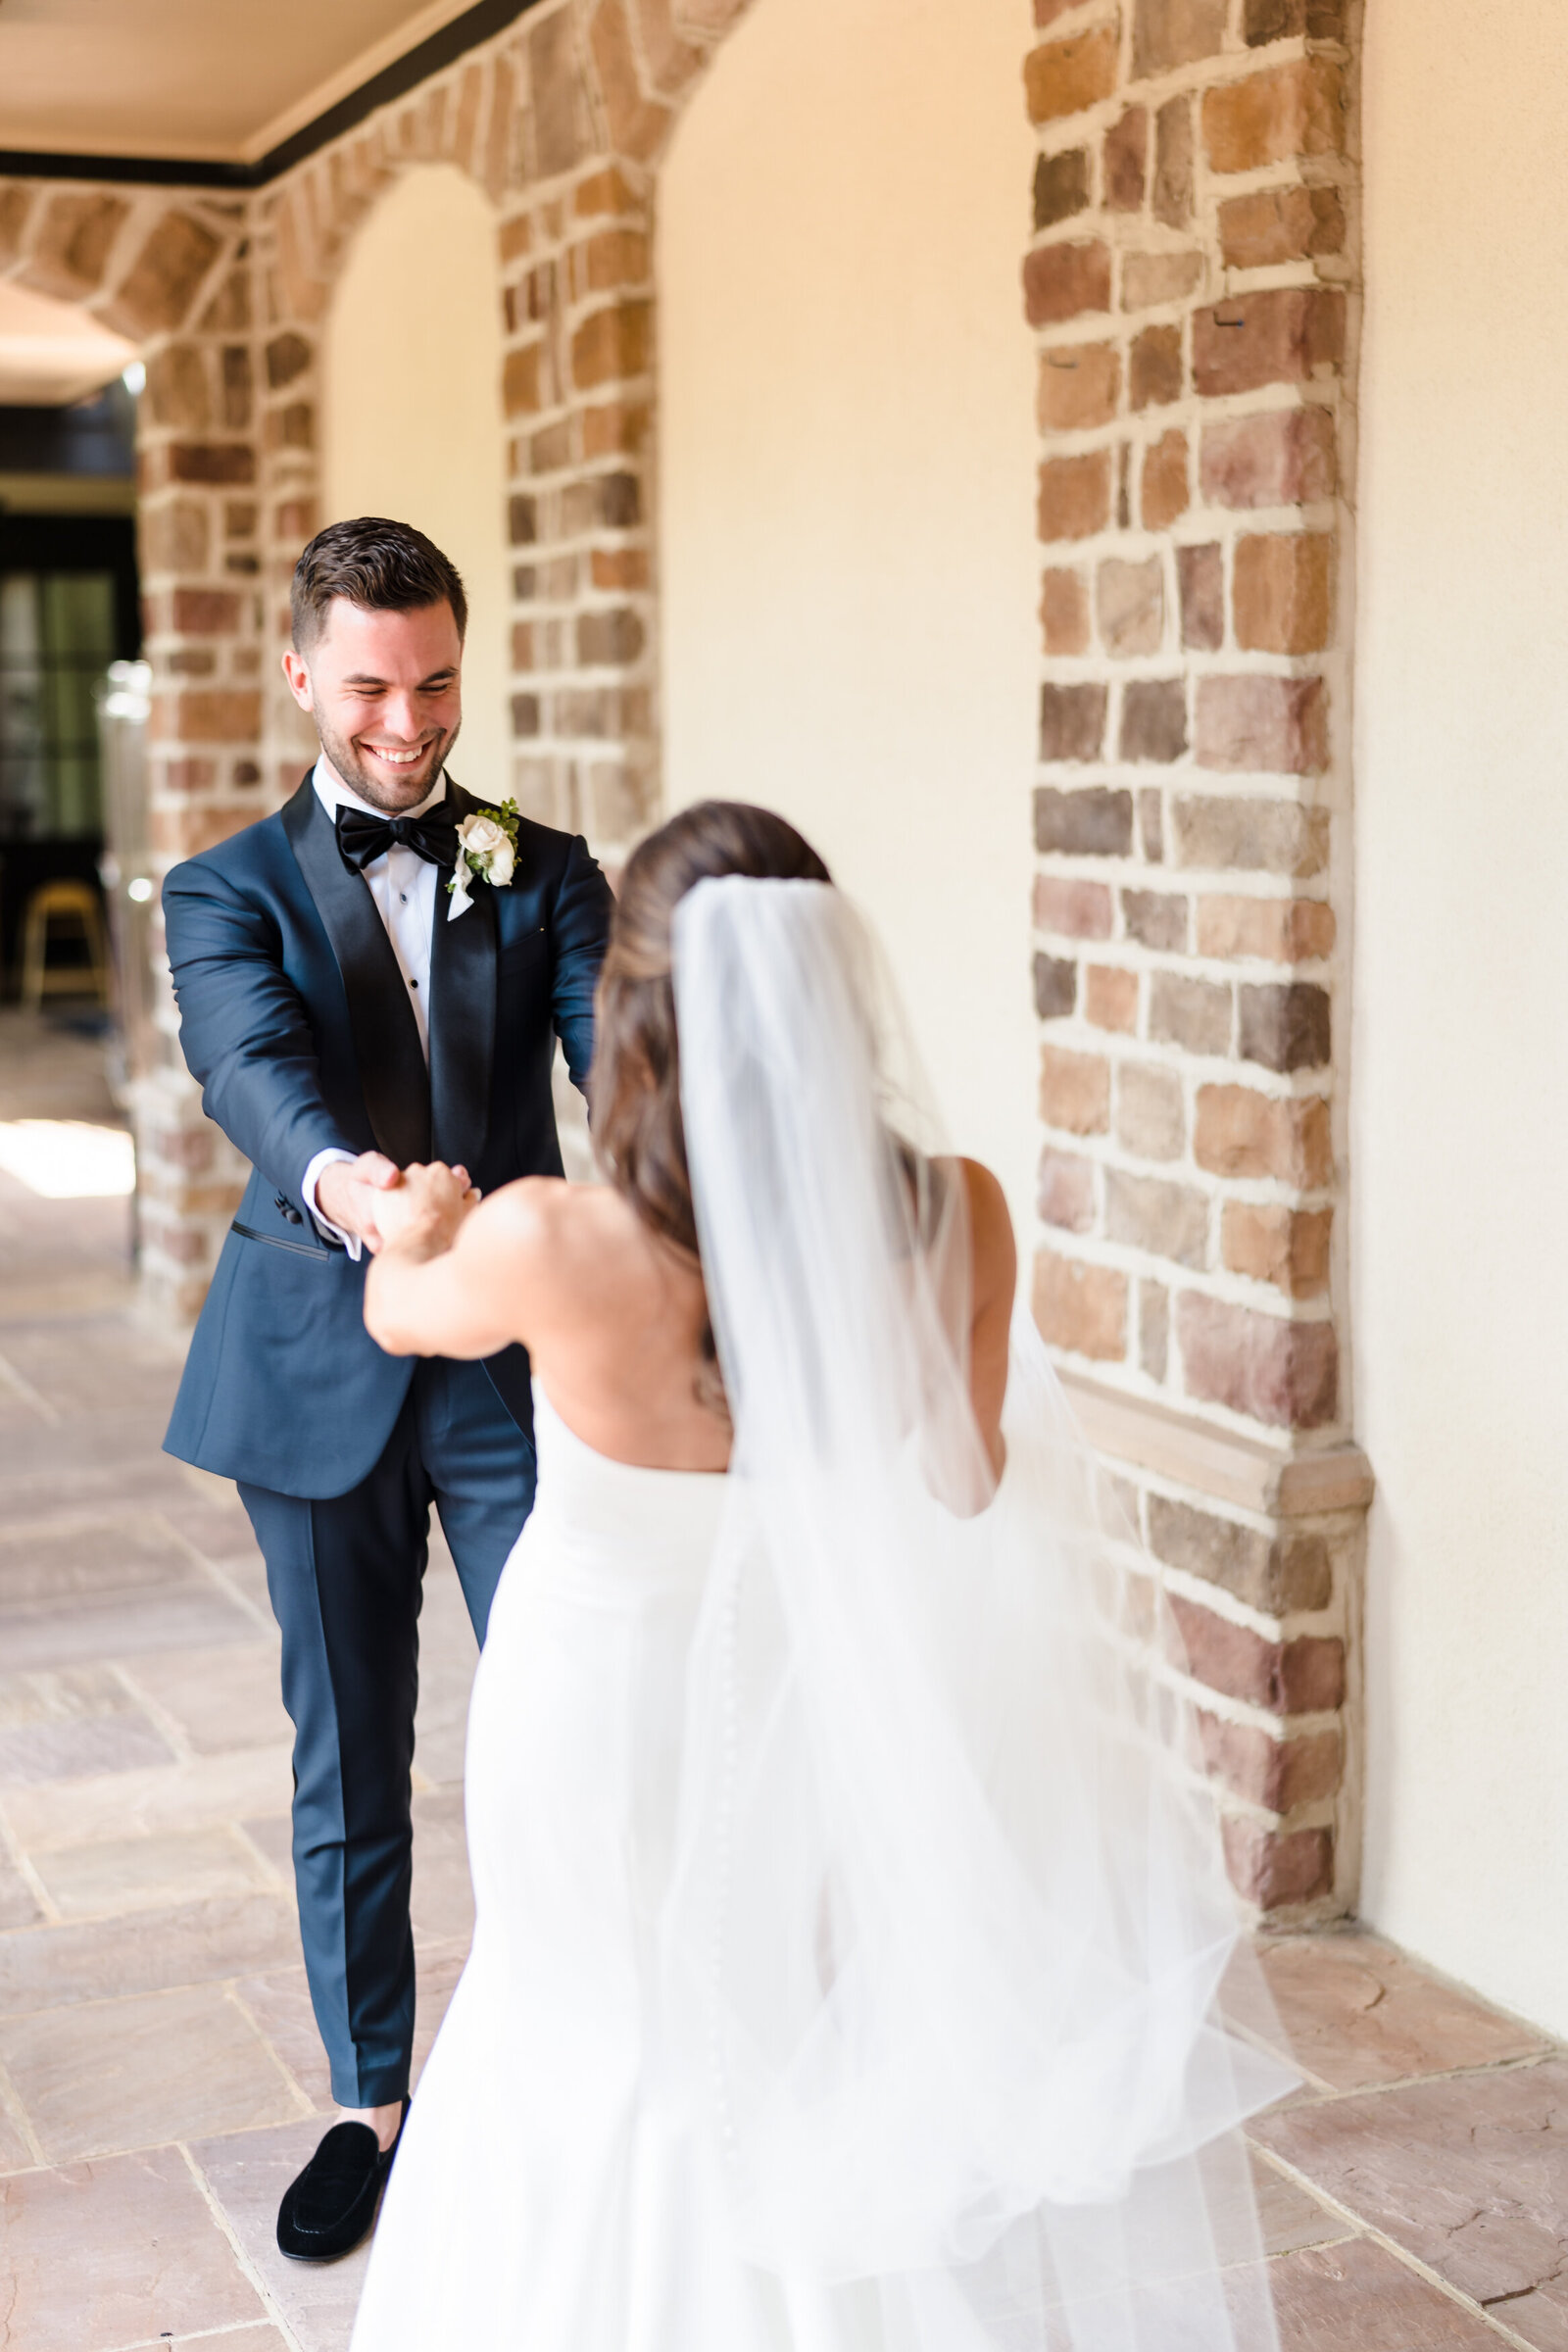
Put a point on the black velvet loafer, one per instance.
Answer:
(331, 2205)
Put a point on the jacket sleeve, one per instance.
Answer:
(244, 1029)
(580, 928)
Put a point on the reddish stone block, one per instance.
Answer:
(208, 462)
(1155, 373)
(1130, 598)
(1065, 613)
(606, 191)
(612, 344)
(1154, 720)
(1282, 1373)
(1093, 823)
(1166, 1220)
(1284, 1026)
(1155, 918)
(1150, 1121)
(1243, 1133)
(1302, 1677)
(1150, 279)
(1063, 77)
(1286, 1247)
(1284, 459)
(1165, 497)
(1125, 162)
(1280, 225)
(1268, 930)
(1273, 1868)
(1063, 280)
(1080, 1308)
(1074, 1091)
(1176, 33)
(1200, 575)
(620, 428)
(619, 568)
(1065, 1191)
(1171, 197)
(1055, 979)
(189, 776)
(1061, 186)
(1283, 336)
(637, 124)
(1275, 117)
(515, 237)
(1076, 909)
(1074, 500)
(1080, 385)
(221, 716)
(1275, 726)
(1277, 1774)
(206, 612)
(1110, 997)
(559, 106)
(1283, 592)
(1278, 837)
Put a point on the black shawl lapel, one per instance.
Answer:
(386, 1036)
(462, 1014)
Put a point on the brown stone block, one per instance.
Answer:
(1156, 373)
(522, 637)
(166, 274)
(1055, 984)
(1065, 613)
(178, 390)
(606, 191)
(1282, 1373)
(238, 386)
(1276, 1774)
(186, 832)
(1194, 1014)
(288, 356)
(1080, 385)
(1201, 574)
(1176, 33)
(558, 112)
(1283, 592)
(292, 426)
(1281, 224)
(1275, 117)
(1151, 1119)
(550, 451)
(1276, 1866)
(619, 429)
(1151, 824)
(1125, 162)
(1278, 837)
(1302, 1676)
(1155, 918)
(1273, 1574)
(671, 60)
(1061, 186)
(1149, 279)
(1171, 198)
(230, 312)
(189, 775)
(1270, 930)
(515, 237)
(522, 519)
(1285, 1025)
(1074, 500)
(1097, 822)
(612, 344)
(615, 258)
(1081, 1308)
(1168, 1220)
(619, 568)
(1065, 1191)
(209, 461)
(1063, 77)
(1074, 1091)
(1287, 1247)
(1063, 280)
(611, 638)
(519, 380)
(224, 715)
(1283, 336)
(1285, 458)
(206, 612)
(1076, 909)
(72, 244)
(707, 16)
(295, 521)
(16, 203)
(1164, 497)
(1243, 1133)
(1110, 997)
(1154, 720)
(1154, 1333)
(1130, 599)
(637, 123)
(1275, 726)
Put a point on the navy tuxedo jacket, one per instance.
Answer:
(295, 1018)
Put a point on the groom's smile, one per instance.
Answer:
(385, 692)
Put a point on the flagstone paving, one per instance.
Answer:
(160, 2074)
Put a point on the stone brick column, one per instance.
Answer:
(1194, 282)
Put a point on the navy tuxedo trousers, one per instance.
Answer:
(346, 1577)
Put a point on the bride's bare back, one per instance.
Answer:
(612, 1317)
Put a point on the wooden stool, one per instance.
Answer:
(71, 902)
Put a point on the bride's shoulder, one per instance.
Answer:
(557, 1231)
(992, 1244)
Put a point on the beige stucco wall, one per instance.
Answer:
(412, 417)
(846, 493)
(1459, 1136)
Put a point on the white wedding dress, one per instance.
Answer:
(850, 1917)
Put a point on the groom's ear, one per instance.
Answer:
(297, 675)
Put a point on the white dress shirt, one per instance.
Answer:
(403, 885)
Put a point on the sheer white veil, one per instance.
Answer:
(949, 1920)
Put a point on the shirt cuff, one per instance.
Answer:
(323, 1225)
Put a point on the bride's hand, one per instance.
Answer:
(420, 1216)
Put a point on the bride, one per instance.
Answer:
(850, 1926)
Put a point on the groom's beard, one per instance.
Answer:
(392, 795)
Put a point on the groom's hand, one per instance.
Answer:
(349, 1194)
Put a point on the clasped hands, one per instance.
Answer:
(379, 1202)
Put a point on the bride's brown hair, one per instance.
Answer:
(634, 1089)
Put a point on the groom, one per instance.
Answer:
(347, 1014)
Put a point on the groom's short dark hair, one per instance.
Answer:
(379, 565)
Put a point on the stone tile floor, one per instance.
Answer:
(159, 2079)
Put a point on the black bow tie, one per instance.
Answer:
(362, 838)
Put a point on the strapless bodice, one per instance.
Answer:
(617, 1524)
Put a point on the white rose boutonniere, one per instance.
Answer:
(487, 851)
